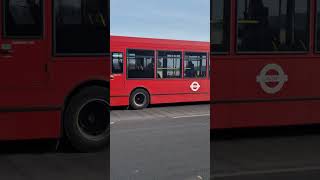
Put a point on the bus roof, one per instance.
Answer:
(155, 43)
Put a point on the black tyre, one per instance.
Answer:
(139, 99)
(87, 119)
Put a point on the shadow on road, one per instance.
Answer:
(266, 153)
(28, 147)
(40, 160)
(162, 105)
(36, 147)
(266, 132)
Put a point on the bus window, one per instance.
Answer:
(273, 25)
(23, 18)
(81, 27)
(140, 63)
(220, 25)
(209, 68)
(318, 27)
(117, 63)
(195, 65)
(169, 64)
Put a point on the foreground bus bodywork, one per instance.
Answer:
(50, 69)
(265, 63)
(169, 80)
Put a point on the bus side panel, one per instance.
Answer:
(263, 114)
(241, 78)
(171, 91)
(83, 71)
(176, 98)
(119, 101)
(219, 116)
(34, 125)
(30, 125)
(239, 95)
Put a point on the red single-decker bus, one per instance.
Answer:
(153, 71)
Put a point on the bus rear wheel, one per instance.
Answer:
(87, 120)
(139, 99)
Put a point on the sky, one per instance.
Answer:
(167, 19)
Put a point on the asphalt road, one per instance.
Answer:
(169, 143)
(35, 161)
(173, 143)
(277, 154)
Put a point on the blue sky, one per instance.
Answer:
(169, 19)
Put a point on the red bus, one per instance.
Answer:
(265, 63)
(152, 71)
(54, 70)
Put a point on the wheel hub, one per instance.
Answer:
(93, 118)
(140, 99)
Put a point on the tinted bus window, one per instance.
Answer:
(140, 64)
(23, 18)
(318, 27)
(273, 25)
(195, 65)
(169, 65)
(81, 27)
(117, 63)
(209, 68)
(220, 24)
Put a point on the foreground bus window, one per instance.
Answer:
(80, 27)
(54, 83)
(220, 25)
(273, 25)
(158, 71)
(318, 28)
(23, 18)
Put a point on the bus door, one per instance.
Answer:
(117, 72)
(23, 50)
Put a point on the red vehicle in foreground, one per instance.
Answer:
(152, 71)
(265, 63)
(54, 70)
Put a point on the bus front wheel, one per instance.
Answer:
(139, 99)
(87, 119)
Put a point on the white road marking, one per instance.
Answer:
(191, 116)
(265, 172)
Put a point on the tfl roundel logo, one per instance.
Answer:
(195, 86)
(272, 78)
